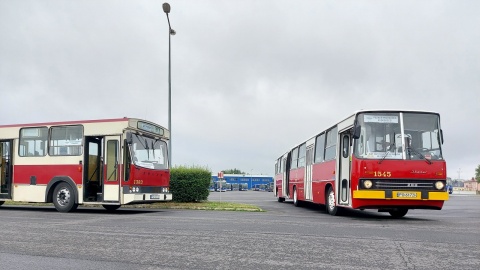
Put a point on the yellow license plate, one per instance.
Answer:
(406, 195)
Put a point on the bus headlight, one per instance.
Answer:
(367, 184)
(439, 185)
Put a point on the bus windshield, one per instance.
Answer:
(149, 153)
(384, 136)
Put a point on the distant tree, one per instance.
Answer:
(477, 174)
(233, 171)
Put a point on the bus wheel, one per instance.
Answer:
(332, 207)
(295, 197)
(64, 198)
(2, 202)
(280, 199)
(110, 207)
(398, 213)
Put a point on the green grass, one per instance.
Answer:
(208, 205)
(218, 206)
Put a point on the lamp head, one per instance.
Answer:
(166, 7)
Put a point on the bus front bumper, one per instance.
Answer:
(146, 197)
(401, 195)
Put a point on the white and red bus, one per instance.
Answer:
(109, 162)
(375, 159)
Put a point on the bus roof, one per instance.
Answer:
(67, 122)
(95, 127)
(391, 110)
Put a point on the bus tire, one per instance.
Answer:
(331, 205)
(280, 199)
(110, 207)
(64, 198)
(296, 202)
(2, 202)
(398, 213)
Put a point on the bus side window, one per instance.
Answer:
(331, 143)
(32, 141)
(319, 148)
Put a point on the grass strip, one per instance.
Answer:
(208, 205)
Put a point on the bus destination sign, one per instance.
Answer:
(150, 128)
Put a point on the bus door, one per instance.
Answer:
(111, 175)
(286, 176)
(92, 169)
(344, 168)
(308, 173)
(6, 149)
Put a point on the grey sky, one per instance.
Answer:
(250, 79)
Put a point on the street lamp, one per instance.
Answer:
(171, 32)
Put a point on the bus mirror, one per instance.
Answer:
(356, 131)
(129, 138)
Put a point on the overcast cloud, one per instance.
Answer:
(250, 79)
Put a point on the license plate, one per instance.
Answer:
(407, 195)
(155, 197)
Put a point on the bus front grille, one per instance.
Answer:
(401, 184)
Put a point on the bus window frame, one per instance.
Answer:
(319, 148)
(22, 140)
(77, 147)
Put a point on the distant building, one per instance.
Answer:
(457, 183)
(242, 182)
(471, 185)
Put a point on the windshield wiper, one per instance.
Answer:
(388, 152)
(410, 149)
(146, 148)
(153, 149)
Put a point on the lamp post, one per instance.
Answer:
(171, 32)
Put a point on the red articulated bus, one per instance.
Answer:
(109, 162)
(375, 159)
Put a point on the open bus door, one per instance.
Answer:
(92, 171)
(111, 175)
(6, 169)
(101, 169)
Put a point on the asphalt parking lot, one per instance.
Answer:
(284, 236)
